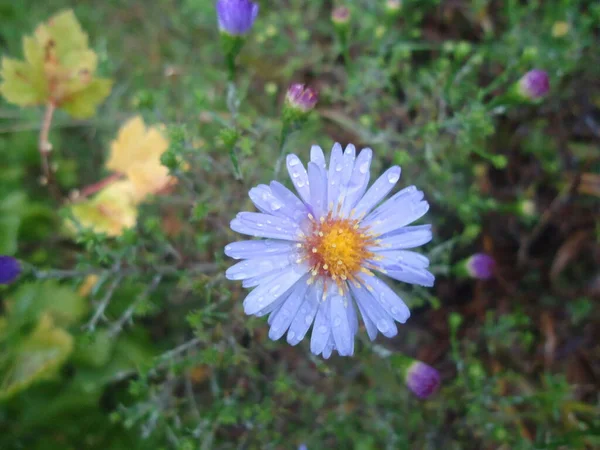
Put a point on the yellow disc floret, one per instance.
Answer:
(337, 248)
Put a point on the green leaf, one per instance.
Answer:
(36, 358)
(11, 210)
(33, 300)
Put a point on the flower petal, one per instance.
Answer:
(256, 267)
(402, 209)
(334, 176)
(321, 330)
(387, 298)
(382, 320)
(317, 156)
(305, 316)
(329, 348)
(258, 248)
(288, 310)
(412, 275)
(359, 180)
(299, 177)
(382, 186)
(264, 225)
(318, 190)
(347, 169)
(268, 292)
(294, 207)
(388, 259)
(406, 237)
(369, 325)
(340, 327)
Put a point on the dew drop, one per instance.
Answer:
(301, 183)
(382, 325)
(338, 168)
(308, 319)
(364, 168)
(274, 290)
(291, 335)
(394, 310)
(337, 321)
(295, 174)
(322, 329)
(393, 177)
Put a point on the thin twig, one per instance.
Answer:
(178, 350)
(560, 201)
(128, 314)
(91, 325)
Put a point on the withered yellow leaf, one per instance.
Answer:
(110, 211)
(59, 68)
(136, 153)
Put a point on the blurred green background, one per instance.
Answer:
(170, 361)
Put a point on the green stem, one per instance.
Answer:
(285, 130)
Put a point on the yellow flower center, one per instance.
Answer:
(337, 248)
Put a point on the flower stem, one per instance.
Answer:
(45, 147)
(93, 188)
(285, 130)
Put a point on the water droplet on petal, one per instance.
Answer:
(274, 290)
(291, 335)
(337, 321)
(394, 310)
(308, 319)
(338, 168)
(364, 168)
(393, 177)
(322, 329)
(382, 325)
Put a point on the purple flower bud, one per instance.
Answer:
(301, 97)
(393, 6)
(422, 379)
(340, 15)
(534, 84)
(480, 266)
(236, 17)
(10, 269)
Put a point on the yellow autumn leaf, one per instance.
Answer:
(136, 153)
(59, 68)
(111, 211)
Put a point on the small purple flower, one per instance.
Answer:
(422, 379)
(236, 17)
(393, 6)
(534, 84)
(10, 269)
(480, 266)
(302, 97)
(340, 15)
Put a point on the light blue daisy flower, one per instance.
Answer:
(316, 265)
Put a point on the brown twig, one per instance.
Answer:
(45, 147)
(557, 204)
